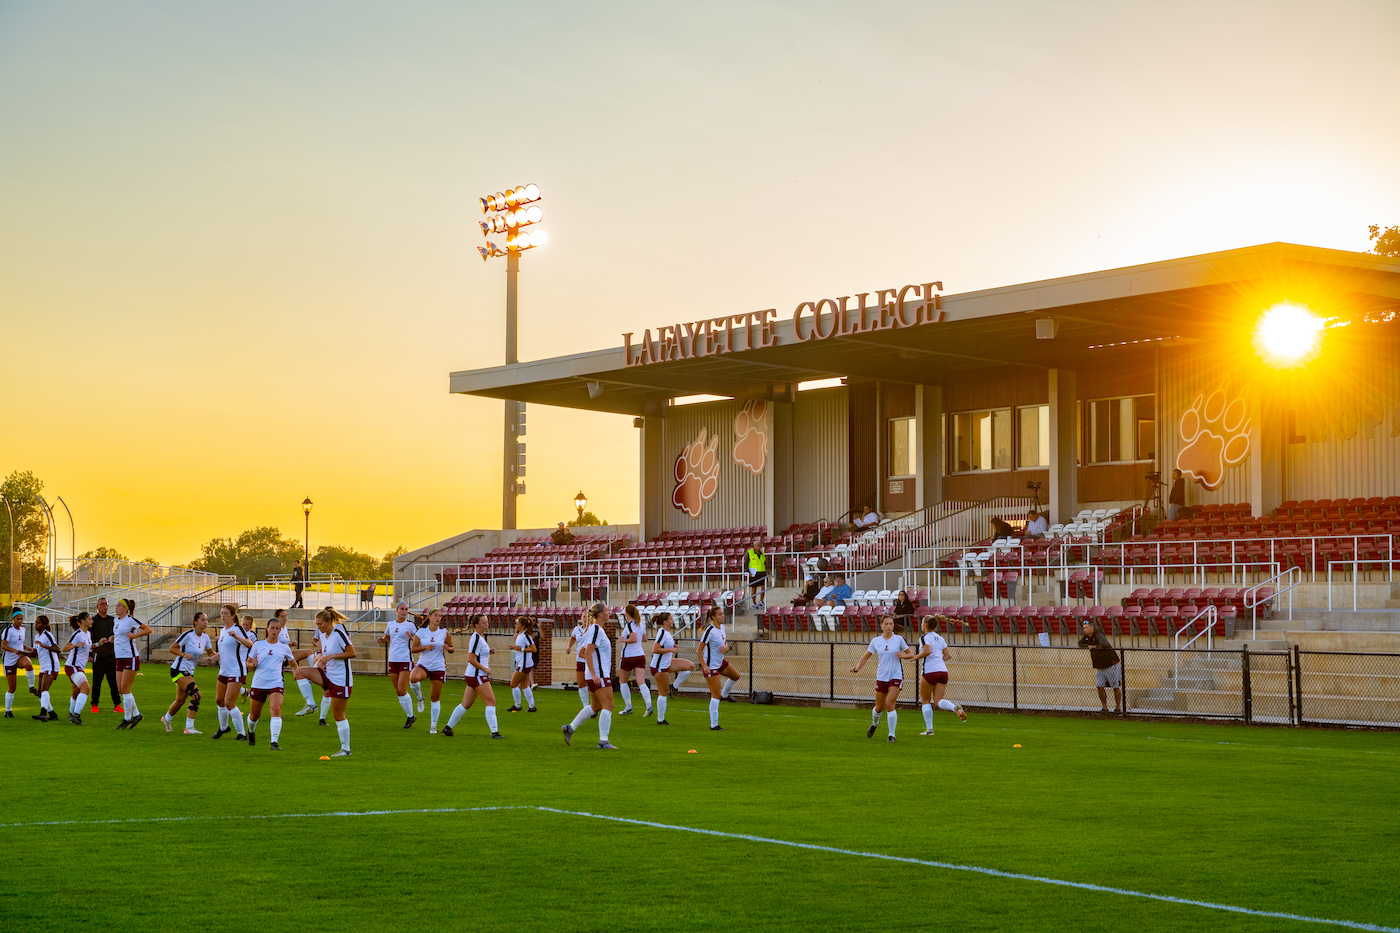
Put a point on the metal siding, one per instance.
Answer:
(819, 453)
(738, 501)
(1187, 373)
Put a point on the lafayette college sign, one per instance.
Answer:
(812, 320)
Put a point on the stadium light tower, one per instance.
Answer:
(511, 213)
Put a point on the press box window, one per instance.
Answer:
(981, 440)
(901, 449)
(1033, 436)
(1121, 430)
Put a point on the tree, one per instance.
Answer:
(588, 518)
(255, 554)
(1387, 241)
(102, 553)
(31, 532)
(386, 566)
(348, 562)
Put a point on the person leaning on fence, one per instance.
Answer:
(1108, 669)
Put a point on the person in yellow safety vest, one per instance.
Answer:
(758, 574)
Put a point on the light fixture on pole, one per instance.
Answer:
(580, 503)
(512, 212)
(306, 547)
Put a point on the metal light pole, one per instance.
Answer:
(10, 527)
(511, 467)
(306, 545)
(580, 503)
(72, 537)
(50, 545)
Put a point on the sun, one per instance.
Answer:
(1287, 334)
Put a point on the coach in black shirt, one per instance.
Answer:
(104, 657)
(1108, 670)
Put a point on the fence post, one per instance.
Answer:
(1014, 698)
(1292, 701)
(1247, 690)
(1123, 676)
(751, 686)
(1298, 681)
(831, 682)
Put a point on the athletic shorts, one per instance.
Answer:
(129, 664)
(660, 670)
(433, 675)
(334, 691)
(524, 670)
(594, 685)
(936, 677)
(580, 666)
(883, 686)
(716, 671)
(10, 669)
(261, 695)
(474, 682)
(232, 680)
(757, 576)
(631, 664)
(175, 676)
(1109, 676)
(398, 667)
(73, 673)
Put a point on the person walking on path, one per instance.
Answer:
(298, 580)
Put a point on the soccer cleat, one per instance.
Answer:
(626, 712)
(420, 704)
(218, 733)
(34, 691)
(926, 732)
(497, 735)
(408, 723)
(889, 738)
(870, 733)
(124, 723)
(134, 720)
(607, 747)
(717, 728)
(118, 709)
(447, 731)
(240, 737)
(95, 709)
(532, 710)
(343, 753)
(77, 720)
(662, 722)
(322, 722)
(432, 732)
(193, 732)
(275, 747)
(513, 709)
(252, 738)
(165, 721)
(9, 715)
(962, 713)
(568, 735)
(647, 713)
(308, 708)
(42, 717)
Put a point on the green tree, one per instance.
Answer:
(588, 518)
(254, 555)
(1387, 241)
(31, 532)
(386, 566)
(348, 562)
(102, 553)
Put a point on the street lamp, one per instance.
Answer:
(306, 562)
(580, 503)
(10, 526)
(511, 212)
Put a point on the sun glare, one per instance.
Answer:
(1287, 334)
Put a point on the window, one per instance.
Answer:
(981, 440)
(902, 446)
(1121, 430)
(1033, 436)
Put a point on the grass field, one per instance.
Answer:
(157, 831)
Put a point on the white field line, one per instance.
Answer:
(811, 847)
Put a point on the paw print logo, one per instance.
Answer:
(1216, 436)
(697, 474)
(751, 427)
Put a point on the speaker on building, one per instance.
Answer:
(1046, 328)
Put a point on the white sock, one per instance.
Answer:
(304, 686)
(515, 695)
(223, 719)
(458, 712)
(604, 724)
(9, 702)
(874, 715)
(892, 720)
(627, 696)
(949, 705)
(583, 716)
(72, 705)
(728, 686)
(646, 695)
(45, 702)
(129, 704)
(235, 716)
(417, 689)
(343, 727)
(276, 728)
(491, 719)
(661, 707)
(583, 696)
(714, 711)
(530, 697)
(252, 724)
(680, 679)
(325, 705)
(407, 705)
(30, 674)
(189, 722)
(928, 716)
(436, 708)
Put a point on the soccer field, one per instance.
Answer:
(791, 819)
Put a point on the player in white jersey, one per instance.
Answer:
(890, 651)
(933, 665)
(714, 665)
(50, 661)
(304, 685)
(332, 671)
(429, 644)
(576, 646)
(233, 645)
(75, 659)
(597, 661)
(522, 663)
(16, 657)
(189, 647)
(633, 663)
(126, 628)
(665, 661)
(267, 660)
(478, 678)
(398, 635)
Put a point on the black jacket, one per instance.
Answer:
(1101, 653)
(102, 628)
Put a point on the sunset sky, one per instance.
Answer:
(238, 241)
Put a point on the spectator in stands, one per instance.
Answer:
(758, 574)
(1176, 499)
(298, 578)
(828, 584)
(562, 536)
(903, 609)
(868, 518)
(1108, 670)
(809, 592)
(1036, 524)
(836, 595)
(1001, 529)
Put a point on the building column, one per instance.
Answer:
(928, 454)
(652, 476)
(1063, 495)
(778, 470)
(1266, 452)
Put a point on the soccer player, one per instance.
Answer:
(126, 628)
(16, 656)
(891, 651)
(478, 678)
(332, 671)
(429, 643)
(398, 635)
(191, 645)
(633, 664)
(233, 645)
(933, 651)
(522, 661)
(576, 646)
(50, 660)
(267, 660)
(78, 648)
(714, 666)
(597, 661)
(664, 660)
(304, 685)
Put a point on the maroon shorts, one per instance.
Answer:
(232, 680)
(716, 671)
(334, 691)
(433, 675)
(10, 669)
(69, 670)
(883, 686)
(398, 667)
(580, 666)
(937, 677)
(594, 685)
(261, 695)
(631, 664)
(128, 664)
(474, 682)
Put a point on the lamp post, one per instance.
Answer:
(72, 538)
(306, 552)
(580, 503)
(510, 212)
(10, 527)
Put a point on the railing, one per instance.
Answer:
(1212, 617)
(1253, 604)
(279, 594)
(1354, 563)
(1304, 552)
(126, 574)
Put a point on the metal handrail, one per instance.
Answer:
(1177, 647)
(1355, 564)
(1253, 606)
